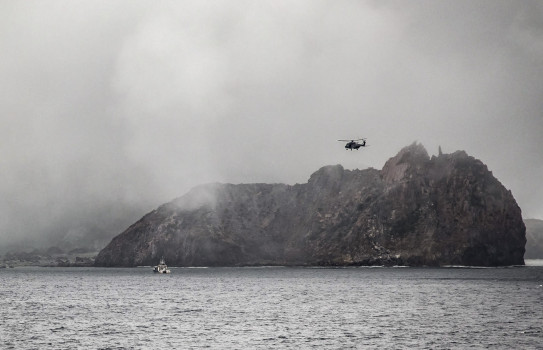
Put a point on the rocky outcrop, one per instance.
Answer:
(534, 239)
(444, 210)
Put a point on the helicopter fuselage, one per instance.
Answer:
(354, 145)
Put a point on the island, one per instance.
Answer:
(444, 210)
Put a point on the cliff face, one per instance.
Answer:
(445, 210)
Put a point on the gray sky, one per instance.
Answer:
(111, 108)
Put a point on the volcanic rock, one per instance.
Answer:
(417, 210)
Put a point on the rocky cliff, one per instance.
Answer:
(444, 210)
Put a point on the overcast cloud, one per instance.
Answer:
(111, 108)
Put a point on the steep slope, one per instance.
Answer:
(445, 210)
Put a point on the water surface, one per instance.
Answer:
(279, 308)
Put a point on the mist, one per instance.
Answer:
(109, 109)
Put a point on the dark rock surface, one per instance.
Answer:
(444, 210)
(534, 239)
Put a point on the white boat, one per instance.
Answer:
(161, 267)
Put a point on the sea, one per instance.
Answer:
(272, 308)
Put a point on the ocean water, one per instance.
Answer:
(272, 308)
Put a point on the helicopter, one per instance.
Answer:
(353, 144)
